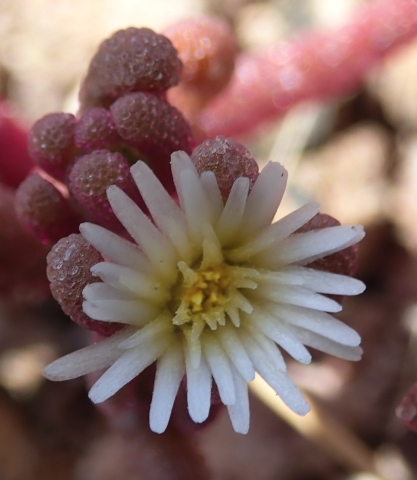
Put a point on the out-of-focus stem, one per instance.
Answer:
(322, 429)
(316, 65)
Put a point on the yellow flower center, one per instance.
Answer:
(208, 290)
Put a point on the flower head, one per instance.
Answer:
(211, 290)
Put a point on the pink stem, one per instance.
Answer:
(316, 65)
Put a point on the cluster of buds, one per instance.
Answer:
(124, 115)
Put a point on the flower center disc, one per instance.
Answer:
(208, 291)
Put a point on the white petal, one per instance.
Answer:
(113, 247)
(209, 182)
(158, 327)
(126, 279)
(169, 218)
(95, 292)
(198, 390)
(326, 345)
(220, 369)
(264, 199)
(359, 234)
(274, 233)
(196, 205)
(319, 322)
(134, 312)
(295, 295)
(275, 330)
(239, 411)
(180, 162)
(152, 242)
(125, 369)
(169, 373)
(303, 247)
(237, 354)
(231, 217)
(276, 378)
(257, 354)
(325, 282)
(89, 359)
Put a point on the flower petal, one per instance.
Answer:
(134, 312)
(295, 295)
(152, 242)
(127, 279)
(239, 412)
(169, 373)
(113, 247)
(198, 389)
(233, 347)
(274, 233)
(326, 282)
(167, 215)
(302, 248)
(231, 216)
(326, 345)
(89, 359)
(126, 368)
(267, 191)
(220, 369)
(318, 322)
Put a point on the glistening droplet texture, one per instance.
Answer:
(42, 210)
(154, 127)
(228, 160)
(95, 129)
(131, 60)
(51, 142)
(89, 179)
(68, 271)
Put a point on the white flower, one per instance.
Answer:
(209, 291)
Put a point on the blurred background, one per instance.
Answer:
(356, 156)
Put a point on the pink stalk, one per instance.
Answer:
(316, 65)
(15, 162)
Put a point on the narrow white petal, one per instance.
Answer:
(124, 278)
(152, 242)
(267, 192)
(181, 162)
(89, 359)
(198, 389)
(257, 354)
(134, 312)
(196, 205)
(158, 327)
(113, 247)
(302, 247)
(95, 292)
(359, 234)
(318, 322)
(220, 368)
(169, 218)
(125, 369)
(231, 217)
(325, 282)
(274, 233)
(276, 331)
(237, 354)
(326, 345)
(169, 373)
(239, 412)
(209, 182)
(295, 295)
(277, 379)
